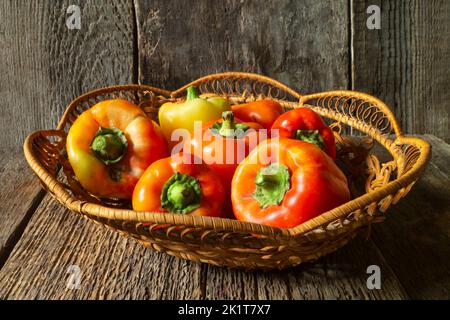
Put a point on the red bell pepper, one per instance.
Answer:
(306, 125)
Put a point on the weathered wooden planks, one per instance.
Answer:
(44, 65)
(305, 44)
(415, 238)
(301, 43)
(342, 275)
(406, 63)
(112, 267)
(20, 194)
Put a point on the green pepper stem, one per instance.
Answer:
(228, 124)
(192, 93)
(181, 194)
(228, 127)
(109, 145)
(311, 136)
(272, 183)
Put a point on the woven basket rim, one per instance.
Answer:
(236, 74)
(62, 195)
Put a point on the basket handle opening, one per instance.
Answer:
(234, 78)
(333, 98)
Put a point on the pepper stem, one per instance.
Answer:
(181, 194)
(311, 136)
(192, 93)
(228, 127)
(109, 145)
(272, 183)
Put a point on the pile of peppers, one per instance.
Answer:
(251, 162)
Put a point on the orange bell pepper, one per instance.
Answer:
(300, 183)
(176, 184)
(225, 143)
(263, 112)
(110, 145)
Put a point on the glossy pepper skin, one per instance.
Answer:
(177, 185)
(298, 184)
(225, 143)
(182, 115)
(110, 145)
(263, 112)
(306, 125)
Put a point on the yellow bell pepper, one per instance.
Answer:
(182, 115)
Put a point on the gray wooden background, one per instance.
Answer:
(310, 45)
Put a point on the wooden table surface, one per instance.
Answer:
(41, 242)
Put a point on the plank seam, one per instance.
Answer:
(288, 287)
(351, 60)
(255, 278)
(16, 235)
(390, 269)
(203, 280)
(136, 62)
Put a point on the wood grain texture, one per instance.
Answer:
(239, 284)
(112, 267)
(406, 63)
(44, 65)
(341, 275)
(301, 43)
(20, 193)
(415, 238)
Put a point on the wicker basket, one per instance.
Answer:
(376, 183)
